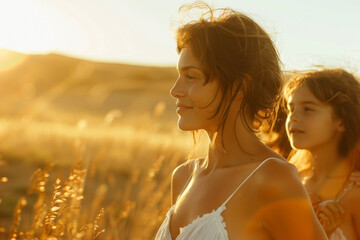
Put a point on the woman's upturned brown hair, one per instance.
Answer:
(236, 51)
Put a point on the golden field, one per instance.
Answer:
(86, 148)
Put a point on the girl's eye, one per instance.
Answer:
(308, 109)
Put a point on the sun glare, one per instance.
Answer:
(10, 59)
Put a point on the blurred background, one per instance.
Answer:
(84, 98)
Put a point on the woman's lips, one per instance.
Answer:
(181, 108)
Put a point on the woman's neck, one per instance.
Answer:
(241, 146)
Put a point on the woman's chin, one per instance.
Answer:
(185, 126)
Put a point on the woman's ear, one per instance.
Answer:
(244, 84)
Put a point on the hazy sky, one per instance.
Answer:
(306, 32)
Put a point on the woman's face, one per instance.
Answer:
(196, 103)
(310, 123)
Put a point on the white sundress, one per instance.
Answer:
(210, 226)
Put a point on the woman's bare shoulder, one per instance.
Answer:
(282, 196)
(183, 171)
(279, 179)
(181, 175)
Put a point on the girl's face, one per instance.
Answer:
(310, 123)
(196, 103)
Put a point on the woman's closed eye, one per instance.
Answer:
(190, 77)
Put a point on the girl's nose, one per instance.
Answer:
(177, 91)
(294, 116)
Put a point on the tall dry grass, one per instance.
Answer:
(118, 187)
(98, 142)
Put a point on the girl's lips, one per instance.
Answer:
(296, 131)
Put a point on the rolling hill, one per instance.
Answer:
(54, 87)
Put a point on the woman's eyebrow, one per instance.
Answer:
(190, 67)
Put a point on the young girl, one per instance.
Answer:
(229, 85)
(323, 123)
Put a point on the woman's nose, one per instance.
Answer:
(177, 91)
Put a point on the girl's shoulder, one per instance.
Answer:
(351, 198)
(351, 202)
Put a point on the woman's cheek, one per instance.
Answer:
(197, 96)
(191, 91)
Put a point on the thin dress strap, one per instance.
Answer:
(347, 188)
(247, 179)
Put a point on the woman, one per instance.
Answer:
(229, 85)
